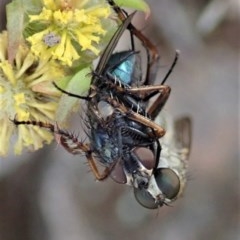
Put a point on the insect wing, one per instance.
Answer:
(112, 44)
(183, 134)
(175, 149)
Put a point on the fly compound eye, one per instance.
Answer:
(145, 199)
(145, 156)
(168, 182)
(105, 109)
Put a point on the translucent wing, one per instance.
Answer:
(112, 44)
(183, 134)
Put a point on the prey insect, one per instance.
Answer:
(123, 135)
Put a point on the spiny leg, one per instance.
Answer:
(144, 94)
(164, 91)
(71, 144)
(131, 97)
(159, 103)
(99, 176)
(148, 88)
(158, 131)
(148, 92)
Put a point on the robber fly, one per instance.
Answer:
(122, 132)
(171, 171)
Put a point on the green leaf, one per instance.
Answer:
(79, 84)
(15, 18)
(16, 15)
(140, 5)
(31, 6)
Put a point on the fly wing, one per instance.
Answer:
(183, 134)
(112, 44)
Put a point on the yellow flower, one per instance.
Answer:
(26, 92)
(69, 29)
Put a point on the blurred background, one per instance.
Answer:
(51, 195)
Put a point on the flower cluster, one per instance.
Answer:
(27, 93)
(70, 28)
(46, 41)
(61, 32)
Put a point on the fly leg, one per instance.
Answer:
(71, 144)
(148, 91)
(157, 131)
